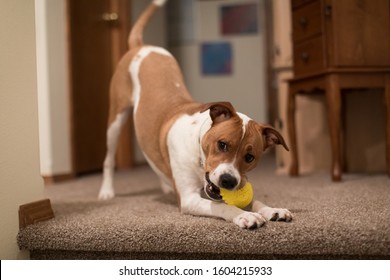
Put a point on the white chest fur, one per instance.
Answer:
(184, 149)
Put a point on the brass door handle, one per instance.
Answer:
(110, 17)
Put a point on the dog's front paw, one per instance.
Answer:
(276, 214)
(249, 220)
(105, 194)
(106, 191)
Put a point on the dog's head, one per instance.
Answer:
(232, 147)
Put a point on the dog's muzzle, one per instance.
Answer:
(211, 190)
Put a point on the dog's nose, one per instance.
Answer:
(227, 181)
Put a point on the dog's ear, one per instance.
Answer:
(272, 137)
(220, 111)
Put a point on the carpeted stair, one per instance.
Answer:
(347, 220)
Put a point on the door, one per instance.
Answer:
(98, 32)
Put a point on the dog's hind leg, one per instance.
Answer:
(113, 133)
(120, 108)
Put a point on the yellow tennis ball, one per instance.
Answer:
(240, 198)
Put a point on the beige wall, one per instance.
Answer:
(20, 182)
(245, 88)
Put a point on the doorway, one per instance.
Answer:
(97, 38)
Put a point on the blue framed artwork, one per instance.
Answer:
(216, 58)
(239, 19)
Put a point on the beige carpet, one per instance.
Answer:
(331, 221)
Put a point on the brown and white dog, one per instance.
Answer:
(189, 145)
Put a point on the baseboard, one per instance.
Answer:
(50, 180)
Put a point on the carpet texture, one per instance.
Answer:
(347, 220)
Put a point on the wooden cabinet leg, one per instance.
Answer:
(294, 165)
(387, 122)
(333, 97)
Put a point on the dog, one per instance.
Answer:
(191, 146)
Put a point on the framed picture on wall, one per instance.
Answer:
(239, 19)
(216, 58)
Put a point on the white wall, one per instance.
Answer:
(53, 88)
(246, 87)
(20, 182)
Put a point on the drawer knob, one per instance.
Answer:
(304, 56)
(328, 10)
(303, 21)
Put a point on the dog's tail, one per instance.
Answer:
(135, 37)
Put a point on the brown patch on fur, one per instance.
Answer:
(252, 143)
(121, 87)
(161, 103)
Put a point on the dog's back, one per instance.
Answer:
(121, 86)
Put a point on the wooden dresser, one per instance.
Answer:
(337, 45)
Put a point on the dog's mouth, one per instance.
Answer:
(211, 190)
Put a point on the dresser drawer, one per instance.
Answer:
(309, 56)
(297, 3)
(307, 21)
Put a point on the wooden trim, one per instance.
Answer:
(54, 179)
(35, 212)
(386, 98)
(272, 95)
(70, 85)
(320, 74)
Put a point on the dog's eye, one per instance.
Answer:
(249, 158)
(222, 146)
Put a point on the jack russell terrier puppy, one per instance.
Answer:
(191, 146)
